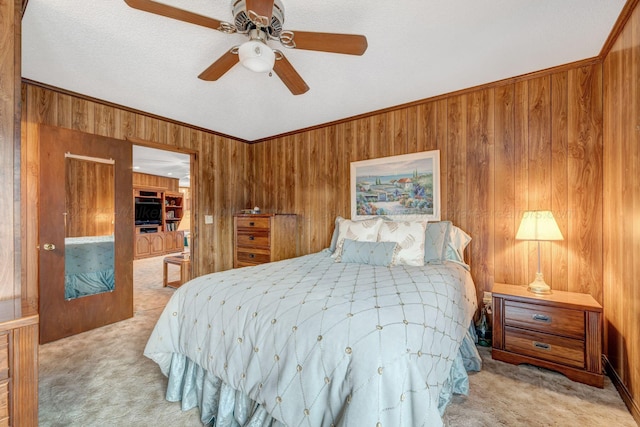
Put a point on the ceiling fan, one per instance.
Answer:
(261, 21)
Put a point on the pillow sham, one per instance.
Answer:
(334, 236)
(435, 243)
(372, 253)
(457, 242)
(363, 231)
(410, 237)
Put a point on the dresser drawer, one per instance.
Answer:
(4, 356)
(253, 238)
(556, 349)
(4, 402)
(253, 256)
(248, 222)
(553, 320)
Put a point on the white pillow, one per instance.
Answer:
(361, 231)
(409, 235)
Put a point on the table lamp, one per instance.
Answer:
(538, 226)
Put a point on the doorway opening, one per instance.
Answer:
(163, 214)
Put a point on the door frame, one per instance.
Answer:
(193, 186)
(61, 318)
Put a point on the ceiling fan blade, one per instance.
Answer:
(221, 66)
(289, 75)
(263, 9)
(180, 15)
(350, 44)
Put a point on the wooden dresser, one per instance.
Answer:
(561, 331)
(261, 238)
(18, 365)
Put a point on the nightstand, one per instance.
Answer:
(561, 331)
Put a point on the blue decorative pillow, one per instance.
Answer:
(435, 243)
(372, 253)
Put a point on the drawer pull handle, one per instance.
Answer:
(252, 255)
(251, 238)
(542, 318)
(541, 345)
(251, 224)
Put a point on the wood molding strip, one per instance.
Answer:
(624, 17)
(622, 389)
(151, 144)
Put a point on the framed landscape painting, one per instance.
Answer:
(397, 187)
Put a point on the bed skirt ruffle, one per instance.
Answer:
(89, 283)
(222, 406)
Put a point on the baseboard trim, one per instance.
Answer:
(622, 390)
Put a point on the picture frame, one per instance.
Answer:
(397, 187)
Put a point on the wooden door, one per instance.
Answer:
(75, 220)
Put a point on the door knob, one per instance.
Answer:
(49, 246)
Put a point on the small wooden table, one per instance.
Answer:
(185, 270)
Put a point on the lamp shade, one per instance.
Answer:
(256, 56)
(538, 225)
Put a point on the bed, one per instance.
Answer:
(320, 340)
(89, 266)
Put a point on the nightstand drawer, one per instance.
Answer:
(249, 222)
(253, 256)
(543, 346)
(253, 238)
(553, 320)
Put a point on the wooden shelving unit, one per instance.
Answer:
(157, 215)
(173, 210)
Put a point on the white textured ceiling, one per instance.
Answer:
(417, 49)
(169, 164)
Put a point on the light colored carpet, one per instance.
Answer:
(101, 378)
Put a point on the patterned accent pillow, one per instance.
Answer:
(362, 231)
(435, 243)
(410, 236)
(372, 253)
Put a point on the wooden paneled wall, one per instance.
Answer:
(10, 273)
(146, 180)
(530, 144)
(622, 210)
(220, 170)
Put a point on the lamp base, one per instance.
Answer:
(539, 286)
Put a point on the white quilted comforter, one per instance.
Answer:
(320, 343)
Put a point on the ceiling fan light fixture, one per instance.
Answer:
(256, 56)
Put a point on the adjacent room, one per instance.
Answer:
(276, 212)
